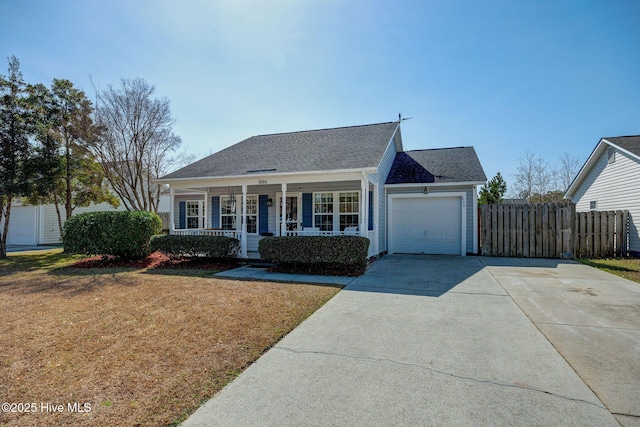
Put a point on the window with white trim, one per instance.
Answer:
(231, 213)
(593, 205)
(194, 214)
(328, 217)
(252, 214)
(228, 215)
(349, 209)
(323, 211)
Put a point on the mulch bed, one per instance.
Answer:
(156, 260)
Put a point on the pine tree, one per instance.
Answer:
(493, 191)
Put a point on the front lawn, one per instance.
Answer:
(140, 346)
(629, 268)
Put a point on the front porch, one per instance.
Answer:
(252, 212)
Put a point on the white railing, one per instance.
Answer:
(320, 233)
(207, 232)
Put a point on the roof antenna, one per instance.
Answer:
(400, 119)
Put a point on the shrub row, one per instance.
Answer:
(335, 250)
(192, 246)
(124, 234)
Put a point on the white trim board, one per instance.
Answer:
(463, 215)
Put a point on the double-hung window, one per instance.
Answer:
(323, 211)
(336, 210)
(194, 214)
(349, 209)
(252, 214)
(231, 213)
(228, 215)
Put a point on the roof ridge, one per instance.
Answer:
(318, 130)
(622, 136)
(442, 148)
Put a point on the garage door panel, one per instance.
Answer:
(430, 225)
(22, 225)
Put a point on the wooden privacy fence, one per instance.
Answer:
(552, 230)
(164, 216)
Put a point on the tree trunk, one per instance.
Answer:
(5, 230)
(55, 203)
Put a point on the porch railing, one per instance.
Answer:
(205, 232)
(320, 233)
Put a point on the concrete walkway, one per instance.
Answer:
(415, 341)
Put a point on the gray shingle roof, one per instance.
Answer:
(353, 147)
(459, 164)
(629, 143)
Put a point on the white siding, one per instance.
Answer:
(434, 190)
(380, 198)
(613, 186)
(50, 233)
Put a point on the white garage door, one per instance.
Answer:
(427, 225)
(22, 225)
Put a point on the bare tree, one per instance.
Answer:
(135, 141)
(569, 167)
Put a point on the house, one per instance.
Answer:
(347, 180)
(610, 180)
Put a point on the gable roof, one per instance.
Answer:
(458, 164)
(353, 147)
(628, 144)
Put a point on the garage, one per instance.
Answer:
(426, 225)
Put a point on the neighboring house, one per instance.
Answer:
(610, 180)
(349, 180)
(38, 224)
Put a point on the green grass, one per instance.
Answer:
(626, 267)
(36, 260)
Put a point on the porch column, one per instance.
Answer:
(172, 225)
(283, 210)
(364, 217)
(243, 236)
(205, 210)
(376, 218)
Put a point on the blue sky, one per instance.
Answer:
(502, 76)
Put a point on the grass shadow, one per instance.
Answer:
(607, 266)
(21, 262)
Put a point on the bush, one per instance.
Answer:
(192, 246)
(339, 251)
(124, 235)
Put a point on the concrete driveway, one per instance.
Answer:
(427, 340)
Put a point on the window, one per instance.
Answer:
(228, 216)
(593, 205)
(252, 214)
(611, 153)
(194, 214)
(347, 214)
(323, 211)
(231, 214)
(349, 209)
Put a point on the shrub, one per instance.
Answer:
(339, 251)
(124, 235)
(192, 246)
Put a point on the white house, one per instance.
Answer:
(610, 180)
(348, 180)
(38, 224)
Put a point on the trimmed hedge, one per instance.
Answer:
(334, 250)
(193, 246)
(123, 234)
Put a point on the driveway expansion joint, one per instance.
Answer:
(441, 372)
(585, 326)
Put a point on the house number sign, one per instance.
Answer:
(262, 182)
